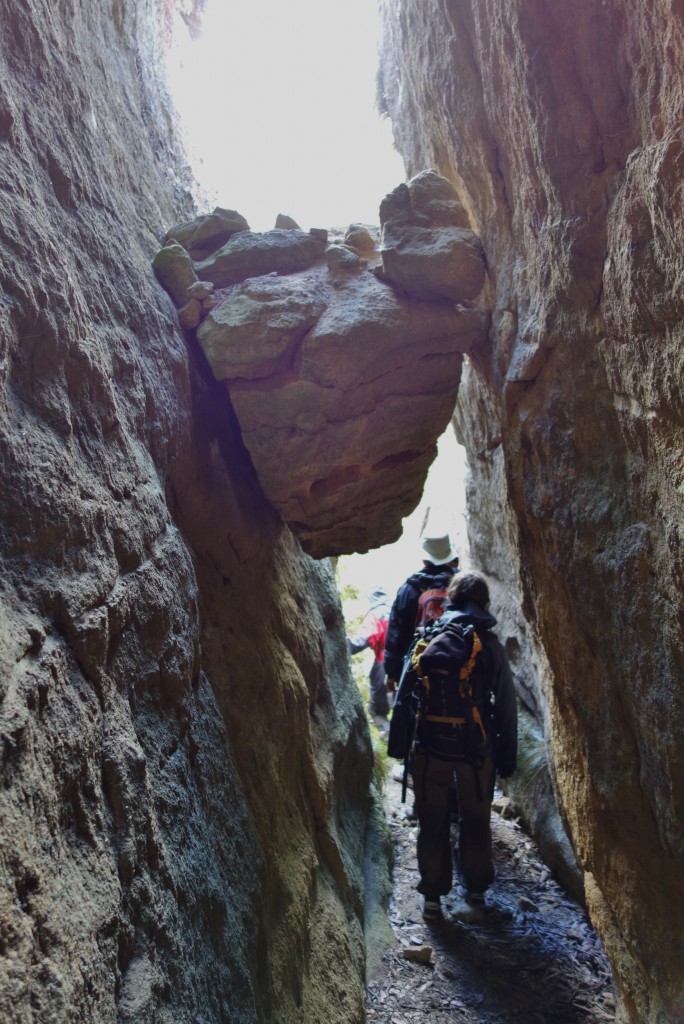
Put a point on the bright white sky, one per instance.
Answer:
(277, 102)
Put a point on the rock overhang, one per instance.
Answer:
(341, 352)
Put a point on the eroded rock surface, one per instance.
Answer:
(204, 235)
(184, 761)
(342, 361)
(561, 127)
(427, 248)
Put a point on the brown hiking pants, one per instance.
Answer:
(432, 780)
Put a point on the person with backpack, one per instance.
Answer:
(422, 597)
(372, 634)
(465, 734)
(420, 600)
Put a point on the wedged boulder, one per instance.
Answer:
(342, 372)
(362, 238)
(251, 254)
(436, 198)
(341, 386)
(427, 247)
(427, 199)
(435, 264)
(190, 314)
(174, 270)
(204, 235)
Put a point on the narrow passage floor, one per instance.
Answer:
(529, 956)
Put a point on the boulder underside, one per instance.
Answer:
(341, 355)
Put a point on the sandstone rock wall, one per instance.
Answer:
(561, 126)
(184, 763)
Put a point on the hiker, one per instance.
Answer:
(421, 597)
(488, 675)
(372, 634)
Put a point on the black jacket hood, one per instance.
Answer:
(434, 576)
(472, 615)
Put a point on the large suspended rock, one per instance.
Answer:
(341, 386)
(342, 372)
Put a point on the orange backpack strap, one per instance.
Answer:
(470, 664)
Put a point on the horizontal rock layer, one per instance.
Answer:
(561, 126)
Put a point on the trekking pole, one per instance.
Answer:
(404, 781)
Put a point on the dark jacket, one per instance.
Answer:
(505, 715)
(402, 622)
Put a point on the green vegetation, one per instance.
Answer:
(380, 759)
(353, 611)
(533, 757)
(349, 593)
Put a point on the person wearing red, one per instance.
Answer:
(372, 634)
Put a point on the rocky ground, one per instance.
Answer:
(530, 955)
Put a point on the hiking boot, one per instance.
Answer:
(431, 908)
(475, 899)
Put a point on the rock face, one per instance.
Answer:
(341, 361)
(561, 127)
(428, 249)
(184, 760)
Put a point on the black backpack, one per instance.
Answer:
(412, 688)
(454, 720)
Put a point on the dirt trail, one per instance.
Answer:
(529, 956)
